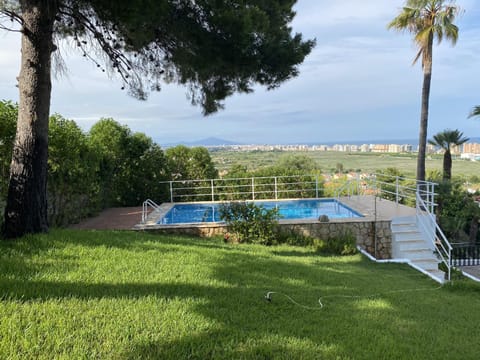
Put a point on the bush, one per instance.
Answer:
(291, 237)
(344, 244)
(249, 223)
(458, 213)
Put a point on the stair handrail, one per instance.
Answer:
(427, 223)
(350, 186)
(148, 203)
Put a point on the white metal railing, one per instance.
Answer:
(145, 206)
(253, 188)
(350, 188)
(428, 225)
(399, 189)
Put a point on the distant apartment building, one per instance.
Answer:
(365, 148)
(471, 148)
(394, 148)
(455, 150)
(407, 148)
(379, 148)
(471, 151)
(431, 149)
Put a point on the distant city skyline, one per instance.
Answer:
(226, 142)
(357, 85)
(468, 151)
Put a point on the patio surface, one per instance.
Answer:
(472, 271)
(126, 218)
(381, 209)
(112, 219)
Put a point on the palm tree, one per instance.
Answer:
(475, 112)
(446, 139)
(426, 20)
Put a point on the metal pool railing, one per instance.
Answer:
(147, 204)
(399, 189)
(254, 188)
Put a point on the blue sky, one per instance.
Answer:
(357, 84)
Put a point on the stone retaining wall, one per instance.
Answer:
(365, 232)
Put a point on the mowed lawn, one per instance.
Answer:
(124, 295)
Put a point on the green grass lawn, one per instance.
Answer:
(124, 295)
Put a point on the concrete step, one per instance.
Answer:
(408, 243)
(438, 274)
(404, 228)
(408, 236)
(408, 220)
(412, 245)
(427, 264)
(417, 254)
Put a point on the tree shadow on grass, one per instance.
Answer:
(252, 345)
(294, 253)
(22, 279)
(242, 324)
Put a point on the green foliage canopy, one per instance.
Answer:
(445, 140)
(214, 48)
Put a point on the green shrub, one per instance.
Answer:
(291, 237)
(344, 244)
(249, 223)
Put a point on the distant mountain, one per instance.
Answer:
(211, 141)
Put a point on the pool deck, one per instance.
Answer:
(380, 209)
(372, 208)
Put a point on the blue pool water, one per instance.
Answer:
(292, 209)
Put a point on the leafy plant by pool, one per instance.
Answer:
(250, 223)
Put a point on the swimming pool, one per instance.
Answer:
(288, 209)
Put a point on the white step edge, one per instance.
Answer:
(414, 254)
(403, 261)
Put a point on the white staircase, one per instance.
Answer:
(409, 244)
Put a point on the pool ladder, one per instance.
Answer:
(145, 206)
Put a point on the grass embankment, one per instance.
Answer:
(116, 295)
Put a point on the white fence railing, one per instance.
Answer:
(254, 188)
(399, 189)
(428, 225)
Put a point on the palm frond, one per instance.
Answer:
(447, 138)
(426, 19)
(475, 112)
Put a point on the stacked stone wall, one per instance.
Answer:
(374, 237)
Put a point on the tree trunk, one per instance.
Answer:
(472, 236)
(26, 209)
(447, 165)
(422, 139)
